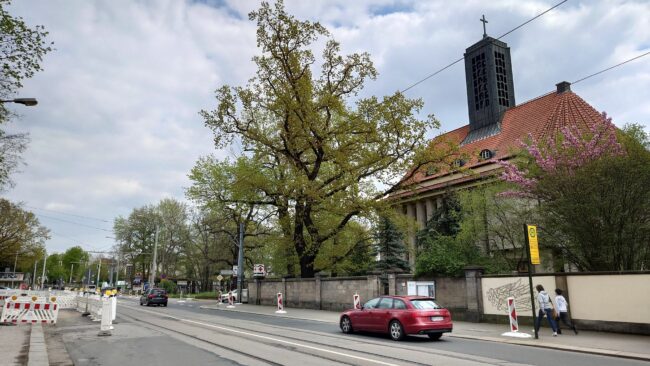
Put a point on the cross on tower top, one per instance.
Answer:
(484, 21)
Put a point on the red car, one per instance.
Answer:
(399, 316)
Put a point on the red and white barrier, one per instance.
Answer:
(514, 325)
(357, 301)
(21, 311)
(280, 305)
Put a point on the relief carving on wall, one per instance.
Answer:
(498, 296)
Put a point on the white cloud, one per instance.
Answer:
(117, 124)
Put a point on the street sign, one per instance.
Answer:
(531, 231)
(219, 277)
(234, 270)
(258, 270)
(226, 272)
(181, 283)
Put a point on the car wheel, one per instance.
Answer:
(396, 330)
(140, 303)
(346, 325)
(165, 304)
(435, 336)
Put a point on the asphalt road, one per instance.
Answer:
(185, 334)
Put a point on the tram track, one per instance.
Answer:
(302, 345)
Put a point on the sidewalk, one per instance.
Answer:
(23, 345)
(601, 343)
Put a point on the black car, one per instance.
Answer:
(156, 296)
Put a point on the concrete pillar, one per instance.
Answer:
(474, 293)
(373, 286)
(421, 214)
(318, 292)
(391, 284)
(410, 244)
(438, 202)
(430, 208)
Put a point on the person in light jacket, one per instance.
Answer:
(562, 309)
(545, 308)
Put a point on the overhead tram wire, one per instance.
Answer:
(75, 223)
(611, 67)
(68, 214)
(462, 58)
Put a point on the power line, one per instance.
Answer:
(75, 223)
(611, 67)
(68, 214)
(501, 36)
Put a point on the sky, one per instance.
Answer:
(117, 125)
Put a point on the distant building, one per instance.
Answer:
(12, 279)
(496, 125)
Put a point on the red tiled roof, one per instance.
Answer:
(541, 117)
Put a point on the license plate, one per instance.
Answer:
(437, 318)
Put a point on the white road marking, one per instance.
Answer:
(270, 338)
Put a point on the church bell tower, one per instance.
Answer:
(490, 87)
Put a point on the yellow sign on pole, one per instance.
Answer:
(532, 242)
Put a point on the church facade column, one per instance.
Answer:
(411, 212)
(430, 208)
(421, 214)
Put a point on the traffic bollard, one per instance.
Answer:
(280, 305)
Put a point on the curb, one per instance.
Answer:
(37, 349)
(593, 351)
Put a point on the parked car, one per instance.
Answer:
(154, 296)
(90, 289)
(224, 296)
(399, 316)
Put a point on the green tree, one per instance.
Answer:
(75, 259)
(440, 252)
(21, 52)
(21, 235)
(323, 147)
(592, 188)
(494, 221)
(390, 246)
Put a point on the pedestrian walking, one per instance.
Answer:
(563, 311)
(545, 308)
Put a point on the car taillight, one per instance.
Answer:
(150, 296)
(165, 296)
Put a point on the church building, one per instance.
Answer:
(496, 126)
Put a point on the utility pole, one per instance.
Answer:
(99, 270)
(240, 264)
(34, 275)
(43, 275)
(15, 262)
(152, 279)
(71, 269)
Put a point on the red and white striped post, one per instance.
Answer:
(514, 325)
(512, 314)
(356, 301)
(280, 305)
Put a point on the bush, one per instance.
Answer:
(169, 286)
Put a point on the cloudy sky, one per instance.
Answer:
(117, 124)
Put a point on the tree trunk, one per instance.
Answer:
(307, 266)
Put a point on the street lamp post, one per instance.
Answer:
(24, 101)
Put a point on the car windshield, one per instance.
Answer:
(425, 304)
(158, 292)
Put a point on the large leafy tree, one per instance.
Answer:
(324, 148)
(21, 52)
(22, 237)
(592, 188)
